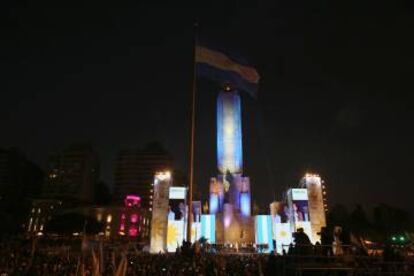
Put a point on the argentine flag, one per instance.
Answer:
(221, 68)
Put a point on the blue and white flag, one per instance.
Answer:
(221, 68)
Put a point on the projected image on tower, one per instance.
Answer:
(229, 133)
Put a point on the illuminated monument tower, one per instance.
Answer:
(230, 190)
(229, 133)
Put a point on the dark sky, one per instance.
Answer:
(334, 98)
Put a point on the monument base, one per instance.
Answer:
(234, 229)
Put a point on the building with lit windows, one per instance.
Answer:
(41, 213)
(131, 222)
(20, 181)
(109, 217)
(128, 221)
(118, 222)
(72, 175)
(134, 172)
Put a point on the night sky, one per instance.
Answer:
(334, 97)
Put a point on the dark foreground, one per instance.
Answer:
(33, 258)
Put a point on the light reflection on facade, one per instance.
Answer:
(245, 204)
(214, 203)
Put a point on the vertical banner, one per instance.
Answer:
(245, 197)
(195, 231)
(175, 235)
(196, 225)
(208, 228)
(283, 236)
(176, 218)
(263, 226)
(281, 229)
(216, 196)
(196, 211)
(159, 222)
(245, 204)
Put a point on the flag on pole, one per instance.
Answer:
(221, 68)
(101, 257)
(84, 244)
(95, 264)
(78, 265)
(122, 266)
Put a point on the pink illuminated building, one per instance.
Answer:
(130, 223)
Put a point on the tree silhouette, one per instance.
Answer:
(390, 220)
(358, 221)
(338, 216)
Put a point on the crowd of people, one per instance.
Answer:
(30, 257)
(23, 258)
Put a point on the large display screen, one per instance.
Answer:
(299, 194)
(280, 212)
(178, 192)
(176, 203)
(299, 210)
(298, 205)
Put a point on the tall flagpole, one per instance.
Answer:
(192, 139)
